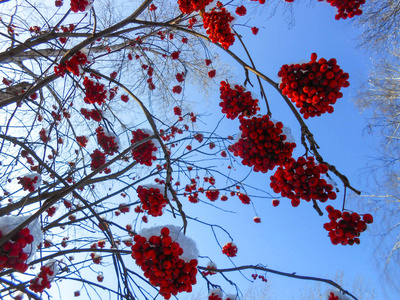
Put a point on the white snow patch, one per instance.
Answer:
(336, 293)
(217, 292)
(8, 223)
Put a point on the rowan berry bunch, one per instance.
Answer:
(159, 258)
(189, 6)
(314, 86)
(210, 265)
(237, 101)
(43, 279)
(212, 195)
(80, 5)
(262, 144)
(82, 140)
(153, 201)
(143, 154)
(217, 23)
(244, 198)
(229, 249)
(95, 92)
(332, 296)
(43, 134)
(93, 114)
(98, 159)
(344, 227)
(346, 9)
(29, 183)
(73, 65)
(12, 253)
(107, 141)
(301, 179)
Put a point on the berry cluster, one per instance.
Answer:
(73, 65)
(346, 9)
(44, 136)
(236, 101)
(210, 265)
(159, 258)
(94, 114)
(313, 86)
(244, 198)
(345, 227)
(261, 144)
(29, 182)
(43, 279)
(107, 141)
(81, 5)
(218, 27)
(143, 154)
(229, 249)
(153, 201)
(95, 92)
(12, 254)
(189, 6)
(98, 159)
(301, 179)
(82, 140)
(212, 194)
(255, 276)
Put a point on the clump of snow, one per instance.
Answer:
(231, 297)
(8, 223)
(286, 131)
(337, 293)
(329, 180)
(150, 132)
(217, 292)
(188, 245)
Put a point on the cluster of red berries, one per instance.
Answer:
(346, 9)
(143, 154)
(82, 140)
(95, 92)
(255, 276)
(189, 6)
(12, 254)
(153, 201)
(43, 279)
(98, 159)
(314, 86)
(344, 227)
(218, 27)
(107, 141)
(74, 65)
(29, 182)
(244, 198)
(159, 259)
(93, 114)
(70, 28)
(261, 144)
(236, 101)
(80, 5)
(301, 179)
(332, 296)
(212, 194)
(229, 249)
(43, 134)
(210, 265)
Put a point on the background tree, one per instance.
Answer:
(98, 140)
